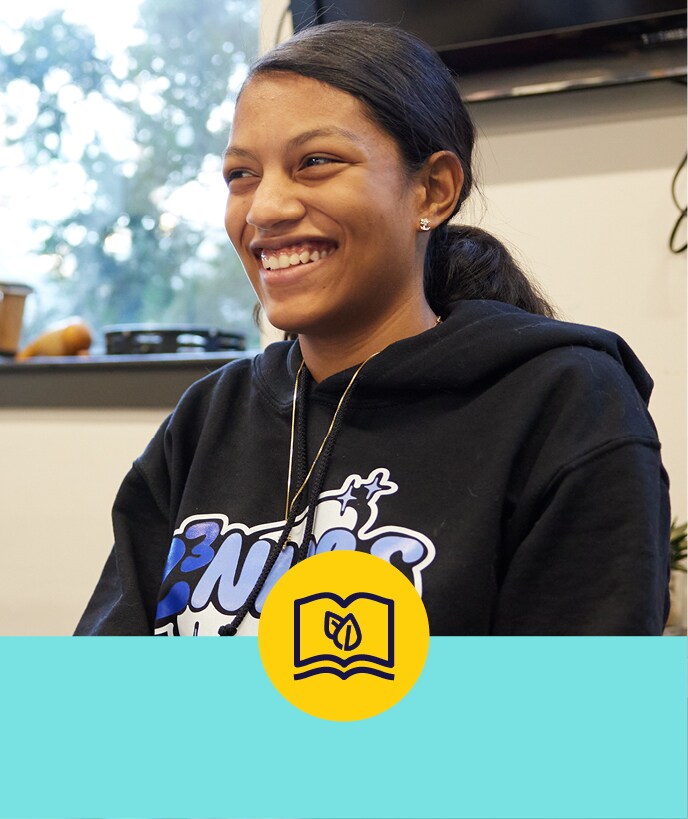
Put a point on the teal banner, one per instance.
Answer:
(495, 728)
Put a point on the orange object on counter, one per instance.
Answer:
(69, 338)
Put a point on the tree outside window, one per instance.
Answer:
(113, 118)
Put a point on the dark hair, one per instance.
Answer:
(409, 93)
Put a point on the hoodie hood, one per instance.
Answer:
(477, 343)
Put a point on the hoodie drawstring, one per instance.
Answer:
(301, 463)
(319, 477)
(310, 497)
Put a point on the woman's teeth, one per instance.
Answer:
(276, 261)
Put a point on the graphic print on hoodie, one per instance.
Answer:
(213, 564)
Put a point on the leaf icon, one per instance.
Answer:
(347, 634)
(332, 623)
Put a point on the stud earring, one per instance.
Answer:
(424, 224)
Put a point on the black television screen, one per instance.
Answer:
(512, 47)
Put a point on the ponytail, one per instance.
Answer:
(464, 262)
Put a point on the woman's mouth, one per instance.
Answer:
(295, 255)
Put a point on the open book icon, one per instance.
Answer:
(343, 636)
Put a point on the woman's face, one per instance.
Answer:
(320, 208)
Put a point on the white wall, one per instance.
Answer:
(59, 472)
(271, 18)
(578, 182)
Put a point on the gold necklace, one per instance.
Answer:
(291, 501)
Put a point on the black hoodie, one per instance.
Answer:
(506, 463)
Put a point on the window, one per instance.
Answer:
(113, 118)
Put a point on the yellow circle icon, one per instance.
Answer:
(343, 635)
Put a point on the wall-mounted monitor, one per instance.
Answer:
(504, 48)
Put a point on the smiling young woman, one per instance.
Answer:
(325, 217)
(430, 411)
(331, 186)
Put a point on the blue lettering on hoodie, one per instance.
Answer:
(213, 564)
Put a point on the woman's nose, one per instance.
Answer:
(274, 200)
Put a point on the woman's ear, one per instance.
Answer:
(441, 178)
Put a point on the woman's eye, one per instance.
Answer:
(316, 161)
(239, 173)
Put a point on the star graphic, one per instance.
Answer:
(347, 498)
(373, 487)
